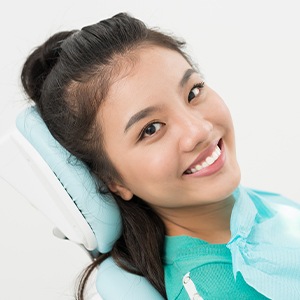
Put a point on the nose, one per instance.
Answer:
(194, 130)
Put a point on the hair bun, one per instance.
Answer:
(40, 63)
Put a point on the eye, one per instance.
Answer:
(195, 91)
(150, 129)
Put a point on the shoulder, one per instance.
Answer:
(270, 196)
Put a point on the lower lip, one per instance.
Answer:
(214, 168)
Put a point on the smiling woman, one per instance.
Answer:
(128, 102)
(176, 124)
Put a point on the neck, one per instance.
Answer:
(209, 222)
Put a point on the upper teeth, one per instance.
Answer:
(207, 162)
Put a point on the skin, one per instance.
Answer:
(153, 167)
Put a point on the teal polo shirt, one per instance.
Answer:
(261, 260)
(210, 267)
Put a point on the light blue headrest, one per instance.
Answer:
(100, 211)
(115, 283)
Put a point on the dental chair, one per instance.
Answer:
(70, 199)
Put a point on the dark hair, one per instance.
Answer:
(68, 77)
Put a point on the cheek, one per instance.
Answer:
(154, 163)
(145, 171)
(220, 113)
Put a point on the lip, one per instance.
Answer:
(213, 168)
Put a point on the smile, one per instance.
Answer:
(208, 162)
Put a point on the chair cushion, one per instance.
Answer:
(99, 210)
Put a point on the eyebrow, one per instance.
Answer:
(141, 115)
(151, 109)
(186, 76)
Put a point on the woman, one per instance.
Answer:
(130, 103)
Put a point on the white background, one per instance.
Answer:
(248, 51)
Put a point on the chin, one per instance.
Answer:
(234, 180)
(230, 182)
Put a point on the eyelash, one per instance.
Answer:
(199, 85)
(143, 131)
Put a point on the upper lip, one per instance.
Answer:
(203, 155)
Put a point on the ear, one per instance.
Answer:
(121, 191)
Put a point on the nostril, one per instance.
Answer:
(194, 134)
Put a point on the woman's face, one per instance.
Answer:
(170, 137)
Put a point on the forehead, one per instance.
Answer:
(146, 66)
